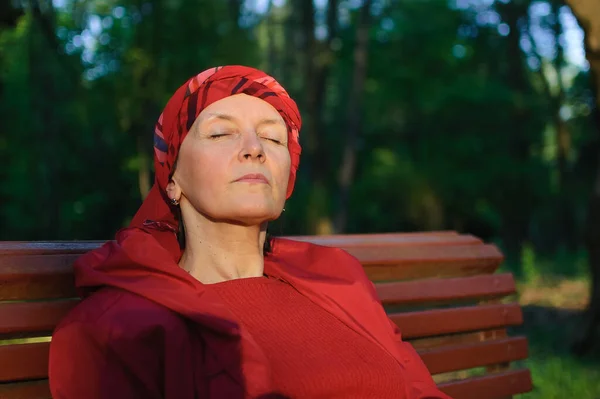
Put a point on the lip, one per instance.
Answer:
(253, 178)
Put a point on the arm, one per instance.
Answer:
(85, 364)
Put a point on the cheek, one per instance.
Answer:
(201, 172)
(282, 166)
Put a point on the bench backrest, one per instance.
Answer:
(438, 287)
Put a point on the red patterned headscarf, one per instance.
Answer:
(156, 215)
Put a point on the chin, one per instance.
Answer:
(249, 214)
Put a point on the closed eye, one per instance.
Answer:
(271, 137)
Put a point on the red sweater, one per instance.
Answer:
(312, 354)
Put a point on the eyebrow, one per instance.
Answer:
(230, 118)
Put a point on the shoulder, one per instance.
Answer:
(113, 341)
(112, 312)
(308, 249)
(320, 259)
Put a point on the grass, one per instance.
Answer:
(557, 373)
(553, 292)
(558, 376)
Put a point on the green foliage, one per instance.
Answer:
(531, 273)
(533, 268)
(457, 130)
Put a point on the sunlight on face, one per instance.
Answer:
(234, 163)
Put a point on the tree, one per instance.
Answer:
(588, 16)
(353, 117)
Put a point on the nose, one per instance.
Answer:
(252, 148)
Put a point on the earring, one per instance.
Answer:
(283, 210)
(174, 202)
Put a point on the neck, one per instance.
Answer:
(219, 251)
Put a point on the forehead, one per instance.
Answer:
(240, 106)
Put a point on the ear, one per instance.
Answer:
(173, 190)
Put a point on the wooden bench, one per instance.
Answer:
(439, 287)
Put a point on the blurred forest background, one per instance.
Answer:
(473, 115)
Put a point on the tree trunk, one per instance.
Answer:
(516, 210)
(353, 118)
(46, 26)
(318, 59)
(144, 172)
(587, 13)
(272, 66)
(556, 99)
(306, 10)
(567, 234)
(43, 80)
(9, 16)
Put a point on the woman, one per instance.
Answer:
(193, 301)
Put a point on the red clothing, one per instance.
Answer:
(312, 354)
(152, 331)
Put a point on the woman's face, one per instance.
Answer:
(234, 163)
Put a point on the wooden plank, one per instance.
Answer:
(513, 382)
(467, 356)
(24, 361)
(32, 317)
(446, 290)
(405, 263)
(491, 386)
(360, 240)
(80, 247)
(456, 320)
(26, 390)
(456, 339)
(30, 361)
(36, 276)
(444, 340)
(12, 248)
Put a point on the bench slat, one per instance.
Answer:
(27, 277)
(446, 340)
(23, 318)
(491, 386)
(24, 361)
(79, 247)
(463, 319)
(463, 357)
(26, 390)
(30, 361)
(359, 240)
(406, 263)
(12, 248)
(36, 277)
(42, 317)
(446, 290)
